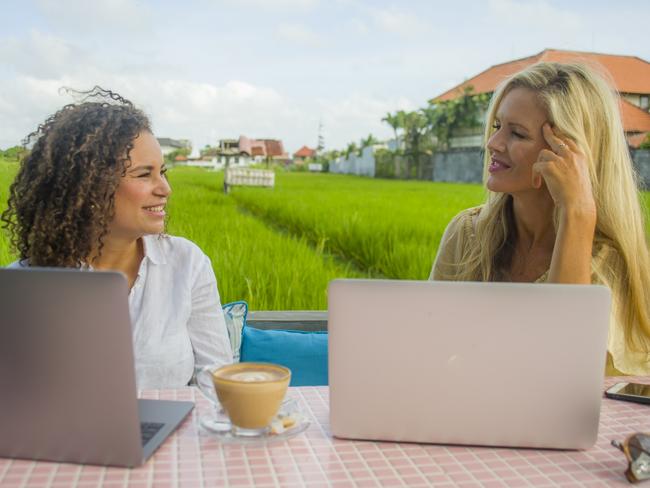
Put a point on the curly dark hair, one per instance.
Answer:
(63, 197)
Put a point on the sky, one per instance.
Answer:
(210, 69)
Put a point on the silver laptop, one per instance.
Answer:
(495, 364)
(67, 378)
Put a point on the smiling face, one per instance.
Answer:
(142, 194)
(516, 142)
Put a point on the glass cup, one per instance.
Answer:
(250, 393)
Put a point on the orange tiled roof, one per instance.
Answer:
(304, 152)
(634, 118)
(629, 73)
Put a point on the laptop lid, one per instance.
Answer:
(67, 369)
(498, 364)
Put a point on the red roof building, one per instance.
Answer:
(245, 146)
(629, 75)
(274, 148)
(304, 152)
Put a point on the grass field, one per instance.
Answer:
(278, 248)
(389, 228)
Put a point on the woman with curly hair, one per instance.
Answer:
(91, 194)
(563, 204)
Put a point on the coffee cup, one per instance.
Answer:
(250, 393)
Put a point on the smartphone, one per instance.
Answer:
(631, 392)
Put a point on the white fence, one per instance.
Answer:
(249, 177)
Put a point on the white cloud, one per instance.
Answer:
(41, 55)
(398, 21)
(300, 34)
(536, 21)
(358, 26)
(90, 16)
(205, 112)
(272, 4)
(356, 116)
(208, 69)
(201, 112)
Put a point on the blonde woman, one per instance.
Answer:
(563, 204)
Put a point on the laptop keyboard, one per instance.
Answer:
(148, 430)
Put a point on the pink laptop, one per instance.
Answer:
(495, 364)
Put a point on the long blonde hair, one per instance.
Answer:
(583, 107)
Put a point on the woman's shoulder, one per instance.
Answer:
(465, 221)
(167, 248)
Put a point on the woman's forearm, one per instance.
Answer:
(571, 261)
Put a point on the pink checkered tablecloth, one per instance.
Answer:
(192, 458)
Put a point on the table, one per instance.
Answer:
(191, 458)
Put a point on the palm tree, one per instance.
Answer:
(332, 154)
(350, 149)
(415, 126)
(396, 121)
(393, 121)
(367, 142)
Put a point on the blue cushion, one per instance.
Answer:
(304, 353)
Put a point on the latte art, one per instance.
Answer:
(251, 376)
(251, 373)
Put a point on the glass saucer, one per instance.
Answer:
(289, 422)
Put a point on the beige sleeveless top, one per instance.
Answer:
(460, 232)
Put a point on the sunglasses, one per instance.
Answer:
(637, 451)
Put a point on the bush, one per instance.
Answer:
(385, 164)
(182, 152)
(14, 153)
(646, 142)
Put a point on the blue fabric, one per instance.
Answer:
(304, 353)
(235, 314)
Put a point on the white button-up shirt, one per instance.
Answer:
(176, 315)
(178, 324)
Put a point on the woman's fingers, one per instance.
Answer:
(547, 155)
(557, 144)
(573, 146)
(561, 146)
(564, 170)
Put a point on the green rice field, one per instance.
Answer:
(278, 248)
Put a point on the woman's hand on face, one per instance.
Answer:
(566, 174)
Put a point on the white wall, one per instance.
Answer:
(363, 165)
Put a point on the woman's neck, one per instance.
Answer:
(533, 214)
(121, 255)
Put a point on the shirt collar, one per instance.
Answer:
(153, 250)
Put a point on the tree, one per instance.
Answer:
(350, 149)
(14, 153)
(326, 157)
(367, 142)
(332, 154)
(182, 151)
(450, 116)
(396, 121)
(209, 151)
(415, 126)
(646, 142)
